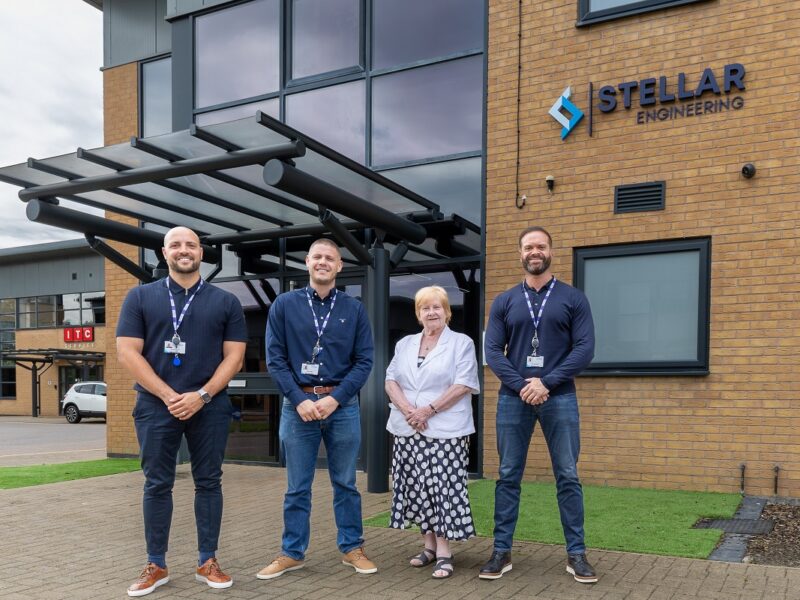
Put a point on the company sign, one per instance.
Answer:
(661, 98)
(78, 334)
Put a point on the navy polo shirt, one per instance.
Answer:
(346, 357)
(214, 316)
(566, 337)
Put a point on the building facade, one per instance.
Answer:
(656, 140)
(52, 301)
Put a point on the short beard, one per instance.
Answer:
(177, 268)
(537, 270)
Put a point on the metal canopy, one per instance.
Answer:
(245, 183)
(48, 355)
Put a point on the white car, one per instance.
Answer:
(85, 399)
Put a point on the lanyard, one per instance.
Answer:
(176, 321)
(320, 329)
(537, 318)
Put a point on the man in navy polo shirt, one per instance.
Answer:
(319, 352)
(539, 337)
(182, 340)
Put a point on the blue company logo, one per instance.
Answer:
(564, 104)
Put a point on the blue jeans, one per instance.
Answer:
(159, 435)
(341, 432)
(558, 417)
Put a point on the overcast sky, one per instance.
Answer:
(51, 96)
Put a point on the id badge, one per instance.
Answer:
(308, 368)
(170, 348)
(535, 361)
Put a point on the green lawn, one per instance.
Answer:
(16, 477)
(632, 520)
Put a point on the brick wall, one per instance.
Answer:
(120, 113)
(664, 432)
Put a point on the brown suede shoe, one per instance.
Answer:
(211, 573)
(359, 561)
(150, 578)
(279, 566)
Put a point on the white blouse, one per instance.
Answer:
(451, 362)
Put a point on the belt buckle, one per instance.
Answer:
(315, 392)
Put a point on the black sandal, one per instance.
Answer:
(444, 563)
(426, 557)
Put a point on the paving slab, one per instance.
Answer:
(84, 539)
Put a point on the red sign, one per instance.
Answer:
(78, 334)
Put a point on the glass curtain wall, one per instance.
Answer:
(396, 86)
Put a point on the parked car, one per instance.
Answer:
(85, 399)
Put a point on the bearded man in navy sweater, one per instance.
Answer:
(539, 337)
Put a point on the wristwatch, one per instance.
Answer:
(204, 396)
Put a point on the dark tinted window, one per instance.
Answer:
(413, 30)
(237, 52)
(157, 97)
(325, 36)
(333, 115)
(428, 112)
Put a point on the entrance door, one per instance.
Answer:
(66, 377)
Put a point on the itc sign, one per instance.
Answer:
(78, 334)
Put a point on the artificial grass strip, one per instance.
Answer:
(17, 477)
(626, 519)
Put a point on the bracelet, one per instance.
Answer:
(433, 408)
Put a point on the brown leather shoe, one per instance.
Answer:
(279, 566)
(151, 577)
(211, 573)
(359, 561)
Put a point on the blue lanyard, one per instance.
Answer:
(320, 329)
(176, 321)
(537, 318)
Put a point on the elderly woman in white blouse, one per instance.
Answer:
(430, 382)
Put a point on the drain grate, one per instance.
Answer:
(747, 526)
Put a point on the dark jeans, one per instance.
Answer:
(561, 428)
(341, 433)
(159, 435)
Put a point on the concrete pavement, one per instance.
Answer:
(49, 440)
(83, 540)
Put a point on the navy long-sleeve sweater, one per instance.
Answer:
(566, 337)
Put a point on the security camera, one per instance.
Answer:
(748, 170)
(551, 182)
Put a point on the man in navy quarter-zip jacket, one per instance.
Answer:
(182, 340)
(539, 337)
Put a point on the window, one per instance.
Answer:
(325, 36)
(69, 310)
(594, 11)
(333, 115)
(650, 304)
(414, 30)
(157, 97)
(8, 371)
(27, 313)
(428, 112)
(93, 308)
(237, 53)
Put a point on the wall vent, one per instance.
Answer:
(640, 197)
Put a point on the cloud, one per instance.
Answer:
(51, 98)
